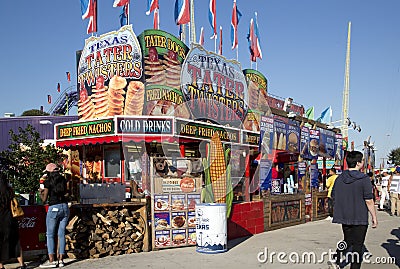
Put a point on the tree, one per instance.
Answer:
(394, 156)
(34, 112)
(25, 159)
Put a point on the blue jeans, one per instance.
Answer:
(56, 220)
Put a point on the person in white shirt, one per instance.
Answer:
(394, 188)
(384, 189)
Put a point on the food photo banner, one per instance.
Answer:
(163, 55)
(109, 75)
(304, 140)
(313, 144)
(280, 133)
(257, 99)
(327, 143)
(214, 87)
(266, 135)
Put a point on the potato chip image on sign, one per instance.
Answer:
(275, 140)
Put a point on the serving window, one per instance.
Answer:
(112, 162)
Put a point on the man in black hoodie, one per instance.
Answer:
(352, 197)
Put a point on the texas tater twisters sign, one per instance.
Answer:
(109, 75)
(215, 88)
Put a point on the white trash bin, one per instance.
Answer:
(211, 228)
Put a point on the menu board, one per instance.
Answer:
(173, 204)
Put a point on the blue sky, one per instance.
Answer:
(303, 44)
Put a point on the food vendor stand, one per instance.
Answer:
(294, 190)
(148, 107)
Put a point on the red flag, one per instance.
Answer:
(182, 12)
(120, 3)
(251, 38)
(220, 41)
(58, 87)
(156, 20)
(68, 76)
(49, 98)
(254, 40)
(212, 17)
(234, 24)
(92, 26)
(151, 6)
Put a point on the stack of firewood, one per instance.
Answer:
(94, 233)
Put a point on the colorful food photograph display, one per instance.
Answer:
(174, 202)
(163, 56)
(110, 75)
(280, 133)
(327, 145)
(214, 88)
(257, 99)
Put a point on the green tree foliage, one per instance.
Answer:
(34, 112)
(26, 158)
(394, 156)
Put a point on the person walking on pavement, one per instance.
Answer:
(329, 184)
(394, 188)
(55, 190)
(10, 246)
(384, 189)
(352, 198)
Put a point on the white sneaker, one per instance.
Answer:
(329, 218)
(49, 264)
(60, 263)
(333, 265)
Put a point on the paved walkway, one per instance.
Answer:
(318, 237)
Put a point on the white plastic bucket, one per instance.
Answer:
(211, 228)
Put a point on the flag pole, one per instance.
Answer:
(237, 52)
(192, 22)
(66, 103)
(215, 43)
(189, 33)
(127, 19)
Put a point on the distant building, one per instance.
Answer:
(43, 124)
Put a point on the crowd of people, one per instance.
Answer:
(389, 188)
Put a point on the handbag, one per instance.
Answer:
(16, 209)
